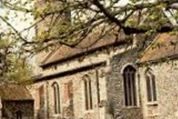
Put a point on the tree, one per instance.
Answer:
(13, 65)
(137, 16)
(68, 22)
(80, 18)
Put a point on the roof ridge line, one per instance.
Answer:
(149, 46)
(52, 52)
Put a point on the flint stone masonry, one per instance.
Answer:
(115, 91)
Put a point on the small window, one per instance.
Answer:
(130, 86)
(88, 92)
(56, 93)
(151, 86)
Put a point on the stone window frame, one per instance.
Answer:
(151, 90)
(130, 96)
(88, 92)
(56, 98)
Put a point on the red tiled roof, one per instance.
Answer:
(14, 92)
(87, 44)
(165, 45)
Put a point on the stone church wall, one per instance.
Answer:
(79, 111)
(166, 76)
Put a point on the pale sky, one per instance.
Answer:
(18, 20)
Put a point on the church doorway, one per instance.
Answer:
(19, 115)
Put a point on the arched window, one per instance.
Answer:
(56, 93)
(88, 92)
(151, 86)
(130, 86)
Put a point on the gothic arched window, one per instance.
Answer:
(151, 86)
(130, 86)
(56, 97)
(88, 92)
